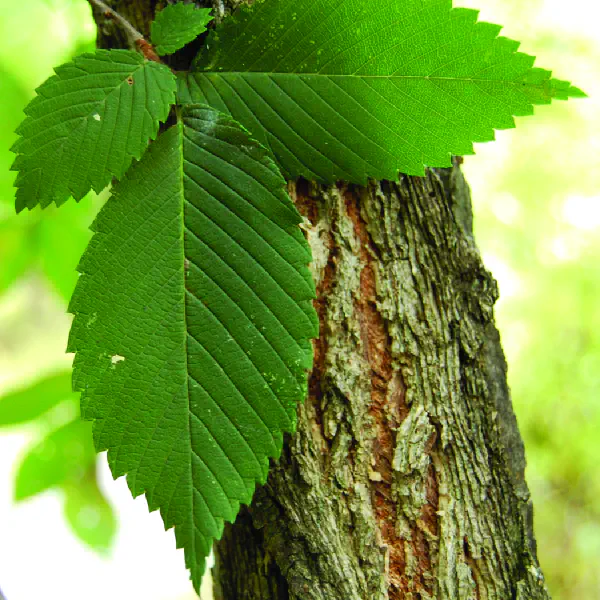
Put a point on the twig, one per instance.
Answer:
(146, 48)
(109, 12)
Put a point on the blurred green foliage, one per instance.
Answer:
(64, 455)
(26, 404)
(36, 35)
(88, 513)
(536, 196)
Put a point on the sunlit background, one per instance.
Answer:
(536, 194)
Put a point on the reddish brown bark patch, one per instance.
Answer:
(388, 409)
(308, 208)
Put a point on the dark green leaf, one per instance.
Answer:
(193, 319)
(178, 24)
(346, 89)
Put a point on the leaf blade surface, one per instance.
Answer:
(353, 89)
(87, 123)
(193, 364)
(178, 24)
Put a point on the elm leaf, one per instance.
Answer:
(193, 325)
(350, 89)
(177, 25)
(87, 123)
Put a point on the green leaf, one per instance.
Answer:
(28, 403)
(339, 89)
(90, 516)
(87, 123)
(193, 319)
(64, 454)
(178, 24)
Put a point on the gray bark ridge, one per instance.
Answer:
(405, 478)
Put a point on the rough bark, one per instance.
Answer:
(405, 479)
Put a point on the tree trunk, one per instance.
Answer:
(405, 479)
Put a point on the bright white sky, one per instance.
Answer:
(39, 557)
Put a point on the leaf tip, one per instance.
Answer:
(575, 92)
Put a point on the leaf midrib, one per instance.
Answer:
(185, 323)
(353, 75)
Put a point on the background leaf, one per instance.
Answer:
(89, 514)
(193, 319)
(59, 254)
(16, 253)
(178, 24)
(28, 403)
(349, 90)
(64, 454)
(87, 123)
(51, 245)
